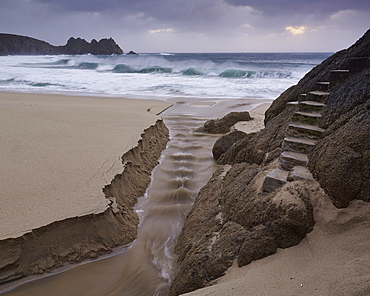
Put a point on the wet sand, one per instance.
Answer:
(58, 152)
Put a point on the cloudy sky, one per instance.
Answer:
(193, 25)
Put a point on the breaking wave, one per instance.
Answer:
(206, 75)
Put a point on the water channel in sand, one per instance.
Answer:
(147, 267)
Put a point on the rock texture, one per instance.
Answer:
(340, 60)
(22, 45)
(348, 99)
(233, 219)
(224, 143)
(223, 125)
(341, 160)
(86, 237)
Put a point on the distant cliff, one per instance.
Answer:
(21, 45)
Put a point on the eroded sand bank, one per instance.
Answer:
(58, 152)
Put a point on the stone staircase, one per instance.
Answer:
(303, 131)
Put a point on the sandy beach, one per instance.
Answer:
(58, 152)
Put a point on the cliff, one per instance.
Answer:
(21, 45)
(247, 210)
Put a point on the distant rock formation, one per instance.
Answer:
(21, 45)
(131, 53)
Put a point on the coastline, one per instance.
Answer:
(58, 153)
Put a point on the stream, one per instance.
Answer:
(148, 266)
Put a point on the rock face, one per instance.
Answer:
(22, 45)
(341, 160)
(349, 153)
(225, 142)
(223, 125)
(340, 60)
(233, 219)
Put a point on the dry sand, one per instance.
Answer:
(58, 152)
(255, 125)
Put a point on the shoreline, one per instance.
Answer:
(67, 150)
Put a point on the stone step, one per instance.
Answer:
(308, 131)
(299, 173)
(274, 179)
(300, 145)
(337, 77)
(317, 96)
(288, 160)
(311, 106)
(292, 105)
(322, 85)
(302, 97)
(306, 117)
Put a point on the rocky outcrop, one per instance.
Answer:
(81, 238)
(234, 219)
(340, 60)
(278, 116)
(78, 46)
(21, 45)
(347, 99)
(223, 125)
(341, 160)
(230, 221)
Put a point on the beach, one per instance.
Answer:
(81, 181)
(58, 152)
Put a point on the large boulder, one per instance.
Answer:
(231, 220)
(223, 125)
(224, 143)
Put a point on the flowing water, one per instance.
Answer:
(202, 87)
(148, 266)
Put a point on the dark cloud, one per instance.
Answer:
(302, 6)
(148, 7)
(190, 24)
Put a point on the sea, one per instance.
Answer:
(200, 86)
(159, 75)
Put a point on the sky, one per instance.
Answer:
(193, 25)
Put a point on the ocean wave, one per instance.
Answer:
(122, 68)
(161, 65)
(88, 66)
(182, 75)
(191, 72)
